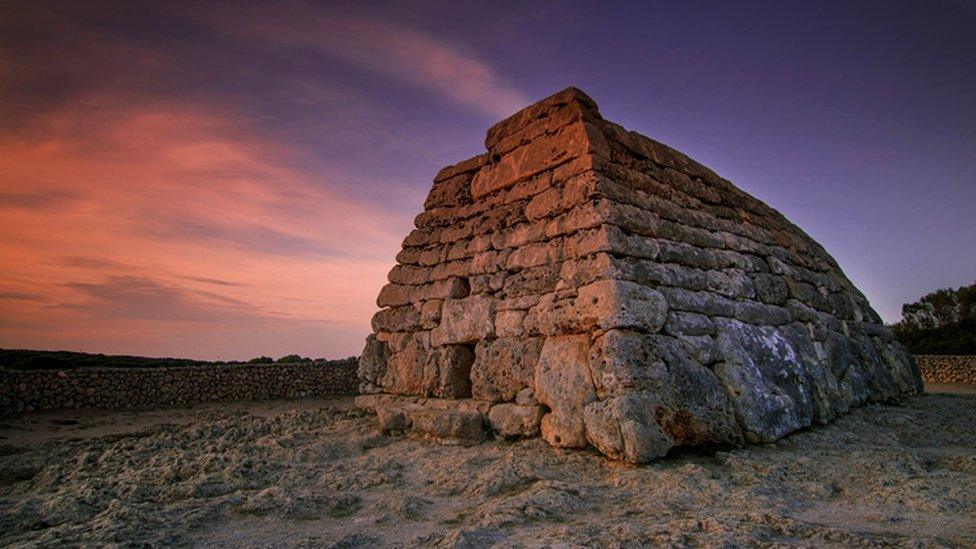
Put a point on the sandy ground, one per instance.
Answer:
(314, 473)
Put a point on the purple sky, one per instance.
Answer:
(232, 181)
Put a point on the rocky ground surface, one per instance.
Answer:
(316, 473)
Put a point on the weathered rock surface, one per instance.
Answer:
(452, 421)
(596, 287)
(512, 420)
(563, 383)
(309, 473)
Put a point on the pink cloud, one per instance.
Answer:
(175, 219)
(146, 207)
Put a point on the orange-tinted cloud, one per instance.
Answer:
(226, 179)
(157, 215)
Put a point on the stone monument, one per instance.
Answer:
(588, 284)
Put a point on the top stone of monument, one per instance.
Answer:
(571, 104)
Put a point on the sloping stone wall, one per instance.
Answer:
(947, 368)
(28, 390)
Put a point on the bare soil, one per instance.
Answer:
(315, 473)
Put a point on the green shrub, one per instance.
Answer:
(940, 323)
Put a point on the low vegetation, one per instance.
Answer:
(23, 359)
(940, 323)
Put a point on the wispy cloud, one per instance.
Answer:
(162, 167)
(89, 262)
(214, 281)
(136, 297)
(404, 53)
(164, 198)
(20, 296)
(34, 200)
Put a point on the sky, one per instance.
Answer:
(227, 180)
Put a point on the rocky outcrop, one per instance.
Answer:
(28, 390)
(595, 287)
(947, 368)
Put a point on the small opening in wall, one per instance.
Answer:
(464, 287)
(469, 362)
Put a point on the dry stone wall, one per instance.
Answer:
(28, 390)
(594, 286)
(947, 368)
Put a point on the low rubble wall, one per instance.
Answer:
(28, 390)
(947, 368)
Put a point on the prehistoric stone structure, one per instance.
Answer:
(590, 284)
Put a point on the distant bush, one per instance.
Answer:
(19, 359)
(22, 359)
(940, 323)
(291, 359)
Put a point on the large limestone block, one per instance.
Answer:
(706, 303)
(827, 396)
(531, 282)
(468, 166)
(903, 367)
(692, 324)
(446, 284)
(405, 369)
(544, 116)
(687, 403)
(762, 371)
(557, 199)
(397, 319)
(611, 304)
(553, 315)
(374, 402)
(449, 426)
(372, 365)
(463, 405)
(838, 356)
(503, 367)
(563, 383)
(624, 427)
(512, 420)
(509, 323)
(609, 239)
(467, 320)
(391, 420)
(881, 381)
(545, 152)
(624, 360)
(453, 191)
(533, 255)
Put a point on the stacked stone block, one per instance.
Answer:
(596, 287)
